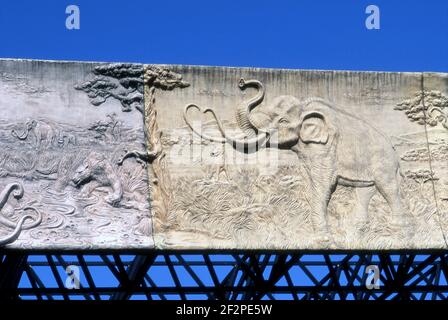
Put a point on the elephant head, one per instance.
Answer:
(282, 123)
(292, 121)
(29, 125)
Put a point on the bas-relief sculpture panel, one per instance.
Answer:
(227, 157)
(64, 131)
(281, 159)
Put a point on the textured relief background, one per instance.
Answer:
(64, 130)
(211, 196)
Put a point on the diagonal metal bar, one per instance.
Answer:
(11, 269)
(88, 276)
(64, 264)
(152, 284)
(135, 273)
(56, 275)
(174, 275)
(36, 283)
(406, 278)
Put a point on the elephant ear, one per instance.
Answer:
(314, 128)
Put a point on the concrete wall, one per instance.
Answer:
(132, 156)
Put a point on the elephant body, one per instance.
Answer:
(362, 153)
(333, 147)
(342, 149)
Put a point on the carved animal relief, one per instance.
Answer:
(64, 182)
(101, 156)
(300, 160)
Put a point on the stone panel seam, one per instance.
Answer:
(422, 84)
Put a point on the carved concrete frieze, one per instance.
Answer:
(132, 156)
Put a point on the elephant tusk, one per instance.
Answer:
(218, 122)
(204, 136)
(18, 136)
(240, 144)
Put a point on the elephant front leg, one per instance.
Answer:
(319, 217)
(318, 194)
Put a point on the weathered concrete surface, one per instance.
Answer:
(435, 104)
(63, 133)
(347, 173)
(283, 159)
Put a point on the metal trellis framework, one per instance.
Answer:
(225, 276)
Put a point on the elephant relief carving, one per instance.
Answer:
(42, 133)
(333, 147)
(96, 171)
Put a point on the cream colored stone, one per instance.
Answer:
(342, 136)
(436, 110)
(283, 159)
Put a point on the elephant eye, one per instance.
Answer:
(282, 120)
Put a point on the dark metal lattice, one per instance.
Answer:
(224, 276)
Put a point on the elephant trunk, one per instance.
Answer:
(243, 110)
(20, 226)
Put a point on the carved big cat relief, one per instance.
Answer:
(132, 156)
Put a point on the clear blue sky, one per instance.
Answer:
(308, 34)
(304, 34)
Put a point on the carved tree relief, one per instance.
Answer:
(162, 79)
(427, 108)
(134, 87)
(430, 107)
